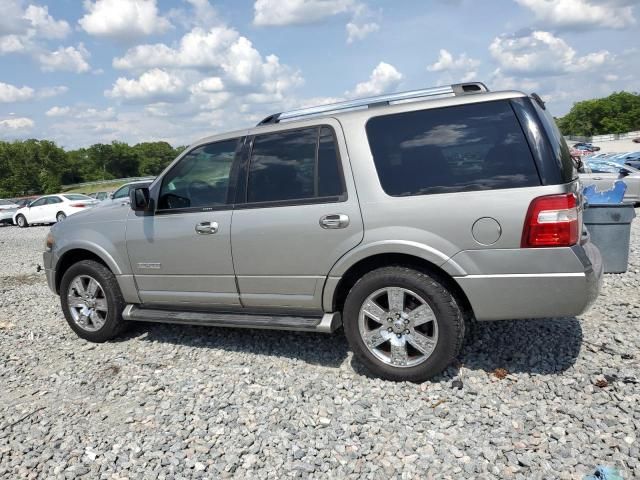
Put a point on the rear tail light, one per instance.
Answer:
(552, 221)
(79, 205)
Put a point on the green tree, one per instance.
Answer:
(154, 157)
(617, 113)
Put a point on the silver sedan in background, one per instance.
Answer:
(7, 209)
(603, 174)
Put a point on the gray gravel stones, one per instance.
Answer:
(185, 402)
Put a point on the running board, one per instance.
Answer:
(328, 323)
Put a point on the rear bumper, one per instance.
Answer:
(537, 295)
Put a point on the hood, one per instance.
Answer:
(115, 213)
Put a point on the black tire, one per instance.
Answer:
(22, 221)
(60, 216)
(449, 317)
(114, 324)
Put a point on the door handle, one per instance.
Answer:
(206, 228)
(334, 220)
(597, 178)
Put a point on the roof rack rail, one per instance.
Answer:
(455, 89)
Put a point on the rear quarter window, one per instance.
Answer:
(461, 148)
(558, 144)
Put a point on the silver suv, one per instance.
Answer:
(397, 218)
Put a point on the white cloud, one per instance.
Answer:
(219, 50)
(123, 19)
(22, 29)
(197, 49)
(357, 31)
(16, 123)
(542, 53)
(48, 92)
(153, 85)
(290, 12)
(57, 111)
(69, 59)
(500, 81)
(10, 93)
(12, 44)
(582, 14)
(447, 62)
(12, 19)
(384, 78)
(207, 85)
(44, 24)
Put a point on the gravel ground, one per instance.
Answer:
(528, 399)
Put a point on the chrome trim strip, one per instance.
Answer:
(525, 275)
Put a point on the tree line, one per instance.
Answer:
(30, 167)
(617, 113)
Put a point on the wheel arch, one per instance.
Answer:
(75, 255)
(335, 297)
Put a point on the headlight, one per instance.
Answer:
(48, 245)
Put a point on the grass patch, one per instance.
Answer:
(102, 187)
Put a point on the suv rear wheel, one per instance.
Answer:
(402, 324)
(91, 301)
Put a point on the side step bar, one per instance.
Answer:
(328, 323)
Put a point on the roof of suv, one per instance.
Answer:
(433, 97)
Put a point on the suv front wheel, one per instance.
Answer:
(402, 324)
(91, 301)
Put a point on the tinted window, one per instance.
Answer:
(462, 148)
(294, 165)
(558, 143)
(201, 177)
(39, 202)
(329, 177)
(53, 200)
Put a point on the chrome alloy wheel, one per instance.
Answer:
(87, 303)
(398, 327)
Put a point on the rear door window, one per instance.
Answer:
(294, 165)
(461, 148)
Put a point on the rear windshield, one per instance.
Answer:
(77, 197)
(558, 144)
(462, 148)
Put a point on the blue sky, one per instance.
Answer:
(82, 72)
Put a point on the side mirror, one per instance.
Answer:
(139, 199)
(624, 172)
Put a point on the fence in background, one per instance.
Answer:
(603, 138)
(113, 180)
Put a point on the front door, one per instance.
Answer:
(298, 216)
(37, 210)
(181, 255)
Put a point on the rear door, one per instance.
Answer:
(297, 215)
(51, 208)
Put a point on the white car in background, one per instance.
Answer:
(7, 209)
(52, 208)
